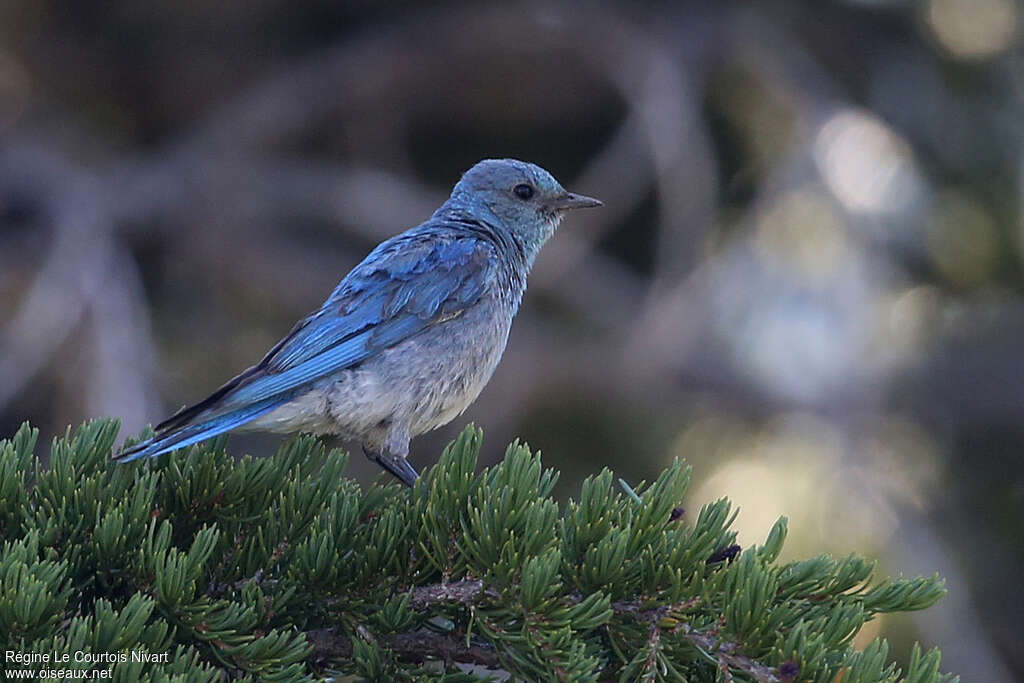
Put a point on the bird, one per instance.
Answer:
(409, 337)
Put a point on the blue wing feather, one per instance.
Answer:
(344, 355)
(386, 287)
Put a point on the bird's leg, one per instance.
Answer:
(397, 465)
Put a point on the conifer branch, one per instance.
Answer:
(281, 568)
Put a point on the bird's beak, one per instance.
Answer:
(574, 201)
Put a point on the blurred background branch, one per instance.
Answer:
(806, 279)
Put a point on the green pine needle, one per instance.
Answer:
(281, 569)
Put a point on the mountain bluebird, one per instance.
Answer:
(408, 339)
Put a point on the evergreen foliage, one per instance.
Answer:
(281, 569)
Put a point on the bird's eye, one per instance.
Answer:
(523, 191)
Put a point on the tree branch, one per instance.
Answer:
(420, 645)
(465, 592)
(423, 645)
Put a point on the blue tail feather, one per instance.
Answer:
(187, 435)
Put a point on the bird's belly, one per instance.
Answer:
(421, 383)
(451, 369)
(448, 397)
(307, 412)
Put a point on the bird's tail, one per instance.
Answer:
(186, 433)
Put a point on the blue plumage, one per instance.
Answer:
(411, 335)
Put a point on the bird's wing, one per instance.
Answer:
(406, 285)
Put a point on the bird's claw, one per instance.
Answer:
(399, 467)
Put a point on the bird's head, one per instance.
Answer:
(517, 197)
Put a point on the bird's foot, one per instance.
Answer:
(398, 466)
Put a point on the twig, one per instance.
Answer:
(420, 645)
(465, 592)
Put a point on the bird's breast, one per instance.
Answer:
(462, 357)
(425, 381)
